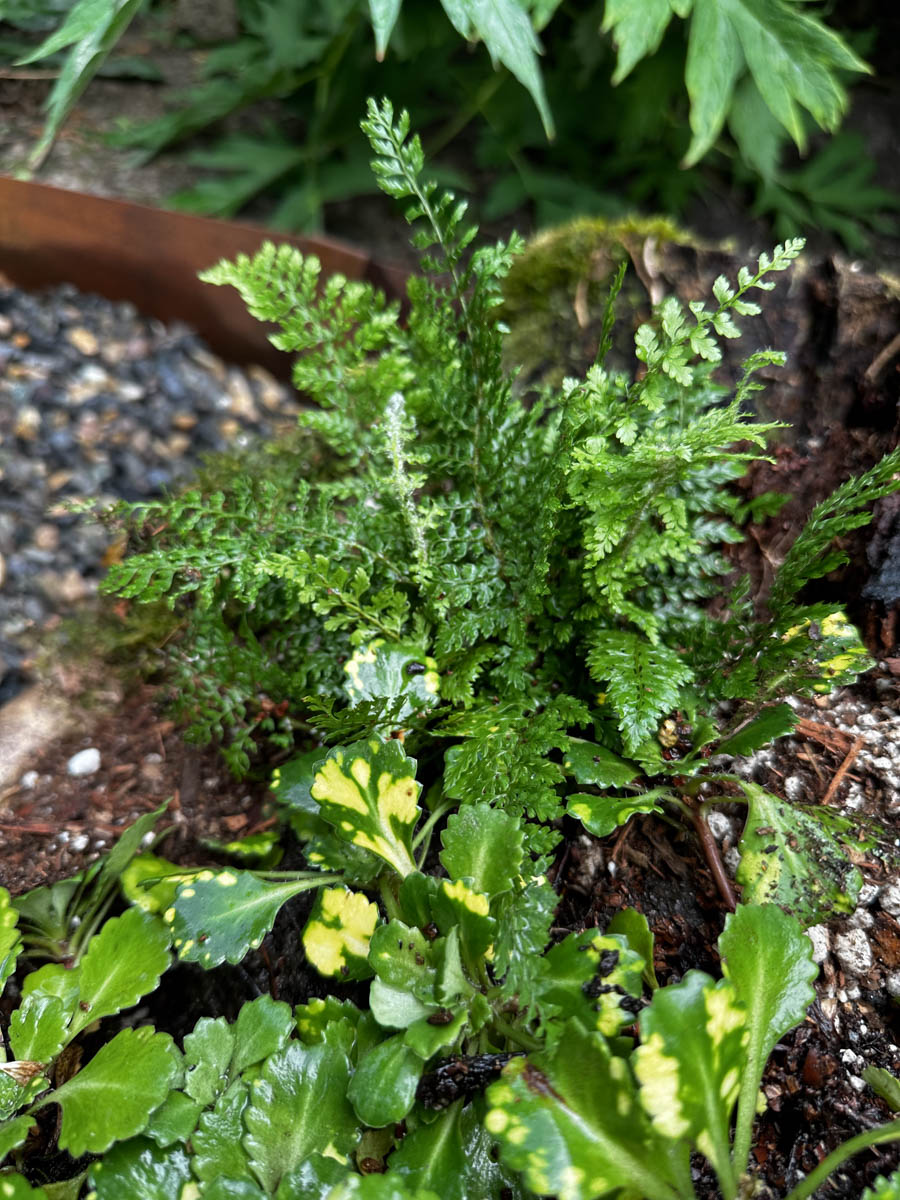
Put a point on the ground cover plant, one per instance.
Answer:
(782, 75)
(463, 621)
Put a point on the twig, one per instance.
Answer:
(843, 769)
(29, 75)
(714, 859)
(881, 359)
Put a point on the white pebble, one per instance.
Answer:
(80, 842)
(720, 825)
(794, 788)
(858, 1085)
(892, 985)
(853, 952)
(890, 899)
(821, 940)
(85, 762)
(868, 894)
(29, 779)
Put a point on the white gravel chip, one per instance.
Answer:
(890, 899)
(821, 940)
(85, 762)
(853, 952)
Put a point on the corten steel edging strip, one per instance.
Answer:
(151, 257)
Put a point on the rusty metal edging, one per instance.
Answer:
(151, 257)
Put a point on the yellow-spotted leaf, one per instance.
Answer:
(456, 904)
(368, 792)
(596, 978)
(692, 1054)
(572, 1124)
(10, 941)
(337, 935)
(391, 670)
(832, 648)
(788, 857)
(150, 882)
(218, 916)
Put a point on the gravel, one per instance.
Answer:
(98, 402)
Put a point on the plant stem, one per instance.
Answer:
(871, 1137)
(424, 834)
(713, 857)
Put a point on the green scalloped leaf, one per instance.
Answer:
(298, 1106)
(111, 1098)
(595, 766)
(884, 1188)
(634, 927)
(218, 1148)
(368, 792)
(770, 724)
(263, 1026)
(602, 815)
(455, 1158)
(768, 959)
(138, 1168)
(219, 916)
(390, 670)
(788, 858)
(10, 939)
(337, 935)
(156, 897)
(13, 1133)
(208, 1050)
(590, 975)
(689, 1063)
(383, 1087)
(572, 1124)
(455, 904)
(174, 1121)
(484, 845)
(123, 962)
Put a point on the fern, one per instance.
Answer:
(548, 563)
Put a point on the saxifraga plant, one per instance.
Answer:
(476, 602)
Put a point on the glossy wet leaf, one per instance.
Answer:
(571, 1123)
(884, 1188)
(368, 792)
(771, 723)
(13, 1133)
(174, 1121)
(208, 1049)
(455, 1157)
(298, 1106)
(690, 1061)
(376, 1187)
(139, 1168)
(123, 962)
(151, 897)
(112, 1097)
(633, 926)
(455, 904)
(403, 958)
(788, 858)
(291, 782)
(313, 1018)
(263, 1026)
(595, 766)
(768, 959)
(884, 1084)
(602, 815)
(442, 1027)
(17, 1187)
(337, 935)
(10, 940)
(484, 845)
(219, 916)
(383, 1087)
(217, 1140)
(596, 978)
(39, 1028)
(391, 670)
(312, 1179)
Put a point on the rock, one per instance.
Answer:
(83, 340)
(46, 537)
(28, 723)
(85, 762)
(63, 588)
(853, 952)
(821, 940)
(890, 899)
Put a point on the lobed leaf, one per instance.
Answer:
(337, 935)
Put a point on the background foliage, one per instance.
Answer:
(670, 118)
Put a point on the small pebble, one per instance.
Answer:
(29, 779)
(85, 762)
(890, 899)
(83, 340)
(853, 952)
(821, 940)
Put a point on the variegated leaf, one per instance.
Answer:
(368, 792)
(336, 937)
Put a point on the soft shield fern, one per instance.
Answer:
(545, 566)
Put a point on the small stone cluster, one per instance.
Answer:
(97, 402)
